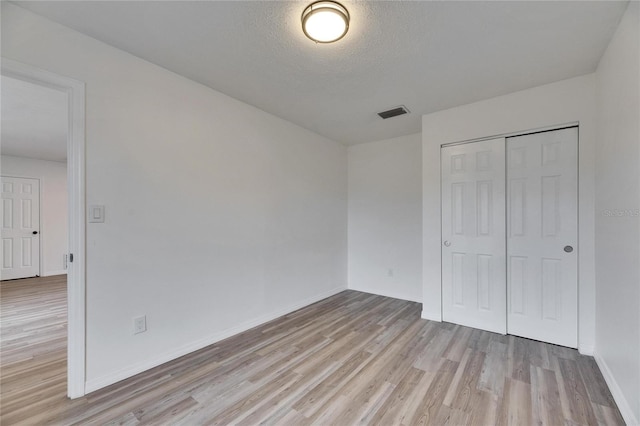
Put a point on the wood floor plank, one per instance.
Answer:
(579, 408)
(516, 404)
(432, 401)
(492, 376)
(594, 382)
(452, 392)
(468, 390)
(353, 358)
(519, 366)
(392, 410)
(546, 408)
(309, 403)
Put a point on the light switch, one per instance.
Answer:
(96, 214)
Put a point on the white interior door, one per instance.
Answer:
(473, 235)
(20, 228)
(542, 229)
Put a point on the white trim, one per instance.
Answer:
(52, 273)
(622, 403)
(76, 181)
(125, 373)
(40, 228)
(391, 294)
(586, 349)
(431, 316)
(516, 133)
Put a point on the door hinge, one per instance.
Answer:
(70, 257)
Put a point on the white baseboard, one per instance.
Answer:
(52, 273)
(623, 405)
(432, 316)
(385, 293)
(586, 349)
(109, 379)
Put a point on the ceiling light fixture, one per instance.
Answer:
(325, 21)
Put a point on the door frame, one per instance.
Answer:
(76, 270)
(571, 124)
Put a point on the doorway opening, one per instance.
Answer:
(43, 216)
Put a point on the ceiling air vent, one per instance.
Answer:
(394, 112)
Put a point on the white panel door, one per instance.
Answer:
(20, 228)
(473, 235)
(542, 230)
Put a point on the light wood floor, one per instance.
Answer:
(352, 358)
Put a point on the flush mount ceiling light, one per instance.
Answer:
(325, 21)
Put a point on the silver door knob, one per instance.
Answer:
(447, 243)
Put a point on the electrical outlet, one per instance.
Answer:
(140, 324)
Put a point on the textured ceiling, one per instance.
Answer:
(425, 55)
(34, 121)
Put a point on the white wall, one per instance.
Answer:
(385, 217)
(617, 215)
(563, 102)
(219, 216)
(53, 207)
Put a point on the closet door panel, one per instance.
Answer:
(473, 234)
(542, 236)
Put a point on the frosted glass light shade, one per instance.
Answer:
(325, 21)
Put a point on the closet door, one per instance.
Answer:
(473, 235)
(542, 230)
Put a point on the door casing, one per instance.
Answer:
(577, 191)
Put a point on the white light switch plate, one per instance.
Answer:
(96, 214)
